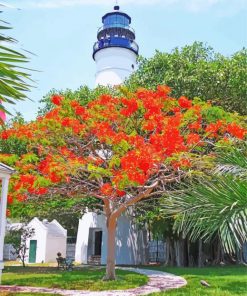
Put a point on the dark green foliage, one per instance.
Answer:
(15, 146)
(67, 210)
(197, 71)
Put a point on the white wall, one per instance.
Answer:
(88, 220)
(131, 242)
(48, 245)
(114, 65)
(41, 236)
(53, 246)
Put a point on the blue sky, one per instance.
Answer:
(61, 34)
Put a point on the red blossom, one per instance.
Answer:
(8, 213)
(131, 107)
(5, 135)
(57, 100)
(193, 139)
(163, 90)
(9, 199)
(27, 179)
(176, 109)
(80, 110)
(21, 197)
(236, 131)
(195, 126)
(106, 189)
(53, 114)
(41, 191)
(184, 102)
(55, 178)
(137, 177)
(183, 163)
(214, 128)
(120, 193)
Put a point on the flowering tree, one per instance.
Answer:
(120, 150)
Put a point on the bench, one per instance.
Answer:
(64, 263)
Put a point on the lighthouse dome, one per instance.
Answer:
(116, 32)
(115, 51)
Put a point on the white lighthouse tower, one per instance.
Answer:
(116, 51)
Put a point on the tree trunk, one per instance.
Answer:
(110, 265)
(200, 259)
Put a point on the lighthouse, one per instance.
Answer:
(115, 51)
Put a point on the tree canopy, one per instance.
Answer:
(197, 71)
(119, 150)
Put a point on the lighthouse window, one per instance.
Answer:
(116, 20)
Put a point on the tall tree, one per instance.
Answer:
(197, 71)
(119, 150)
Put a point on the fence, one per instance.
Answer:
(157, 251)
(70, 251)
(9, 252)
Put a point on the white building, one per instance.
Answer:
(115, 51)
(49, 239)
(131, 245)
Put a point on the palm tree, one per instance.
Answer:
(218, 206)
(13, 76)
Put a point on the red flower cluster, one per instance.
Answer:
(184, 102)
(171, 141)
(106, 189)
(9, 199)
(214, 128)
(57, 100)
(193, 139)
(142, 133)
(130, 107)
(236, 131)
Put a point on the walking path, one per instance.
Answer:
(158, 281)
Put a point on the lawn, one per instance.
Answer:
(83, 279)
(224, 281)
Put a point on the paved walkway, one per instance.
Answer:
(158, 281)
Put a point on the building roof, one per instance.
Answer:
(4, 169)
(53, 228)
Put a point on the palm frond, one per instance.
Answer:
(209, 208)
(233, 161)
(14, 79)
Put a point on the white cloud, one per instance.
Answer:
(191, 5)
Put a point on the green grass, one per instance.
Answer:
(224, 281)
(84, 279)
